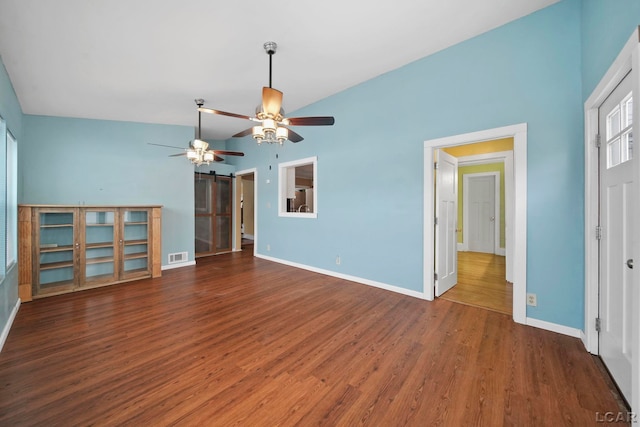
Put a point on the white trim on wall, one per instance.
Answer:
(516, 211)
(7, 326)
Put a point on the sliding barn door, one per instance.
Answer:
(213, 208)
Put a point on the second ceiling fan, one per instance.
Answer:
(273, 125)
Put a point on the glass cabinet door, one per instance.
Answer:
(99, 246)
(135, 243)
(56, 252)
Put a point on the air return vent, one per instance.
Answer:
(178, 257)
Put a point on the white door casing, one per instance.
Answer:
(481, 212)
(617, 220)
(446, 224)
(628, 60)
(516, 209)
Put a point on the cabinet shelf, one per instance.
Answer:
(138, 255)
(55, 225)
(99, 245)
(61, 248)
(56, 265)
(99, 260)
(136, 242)
(106, 224)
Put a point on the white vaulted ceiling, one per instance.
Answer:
(146, 60)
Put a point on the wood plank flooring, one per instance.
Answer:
(482, 283)
(238, 340)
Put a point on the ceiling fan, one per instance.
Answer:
(270, 115)
(198, 152)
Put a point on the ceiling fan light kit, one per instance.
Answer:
(198, 152)
(272, 128)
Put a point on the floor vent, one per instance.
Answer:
(178, 257)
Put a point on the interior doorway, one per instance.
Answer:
(480, 230)
(245, 210)
(515, 207)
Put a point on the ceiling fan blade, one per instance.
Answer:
(243, 133)
(309, 121)
(228, 153)
(217, 158)
(224, 113)
(294, 137)
(162, 145)
(178, 155)
(271, 101)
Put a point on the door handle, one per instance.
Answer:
(630, 263)
(493, 218)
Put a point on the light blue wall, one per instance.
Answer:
(537, 70)
(370, 164)
(80, 161)
(606, 27)
(12, 113)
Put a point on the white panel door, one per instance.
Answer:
(446, 251)
(617, 222)
(482, 215)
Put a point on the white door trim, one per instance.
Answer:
(236, 214)
(628, 60)
(496, 208)
(517, 212)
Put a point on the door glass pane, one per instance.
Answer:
(613, 152)
(223, 229)
(223, 196)
(202, 188)
(204, 236)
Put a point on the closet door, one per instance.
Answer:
(204, 215)
(213, 209)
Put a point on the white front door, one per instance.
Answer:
(617, 222)
(482, 216)
(446, 208)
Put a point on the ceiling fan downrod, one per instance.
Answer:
(270, 48)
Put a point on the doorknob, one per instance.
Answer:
(630, 263)
(493, 218)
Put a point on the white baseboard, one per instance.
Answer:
(178, 265)
(501, 252)
(248, 236)
(462, 247)
(554, 327)
(7, 327)
(348, 277)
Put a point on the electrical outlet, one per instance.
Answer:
(268, 247)
(532, 300)
(338, 260)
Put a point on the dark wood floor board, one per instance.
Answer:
(238, 340)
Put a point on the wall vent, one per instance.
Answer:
(178, 257)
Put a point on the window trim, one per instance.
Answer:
(282, 187)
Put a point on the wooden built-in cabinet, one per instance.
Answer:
(69, 248)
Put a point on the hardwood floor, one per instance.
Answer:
(482, 283)
(238, 340)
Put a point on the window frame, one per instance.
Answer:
(283, 187)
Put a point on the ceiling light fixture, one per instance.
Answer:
(269, 131)
(273, 127)
(198, 152)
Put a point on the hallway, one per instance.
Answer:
(482, 283)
